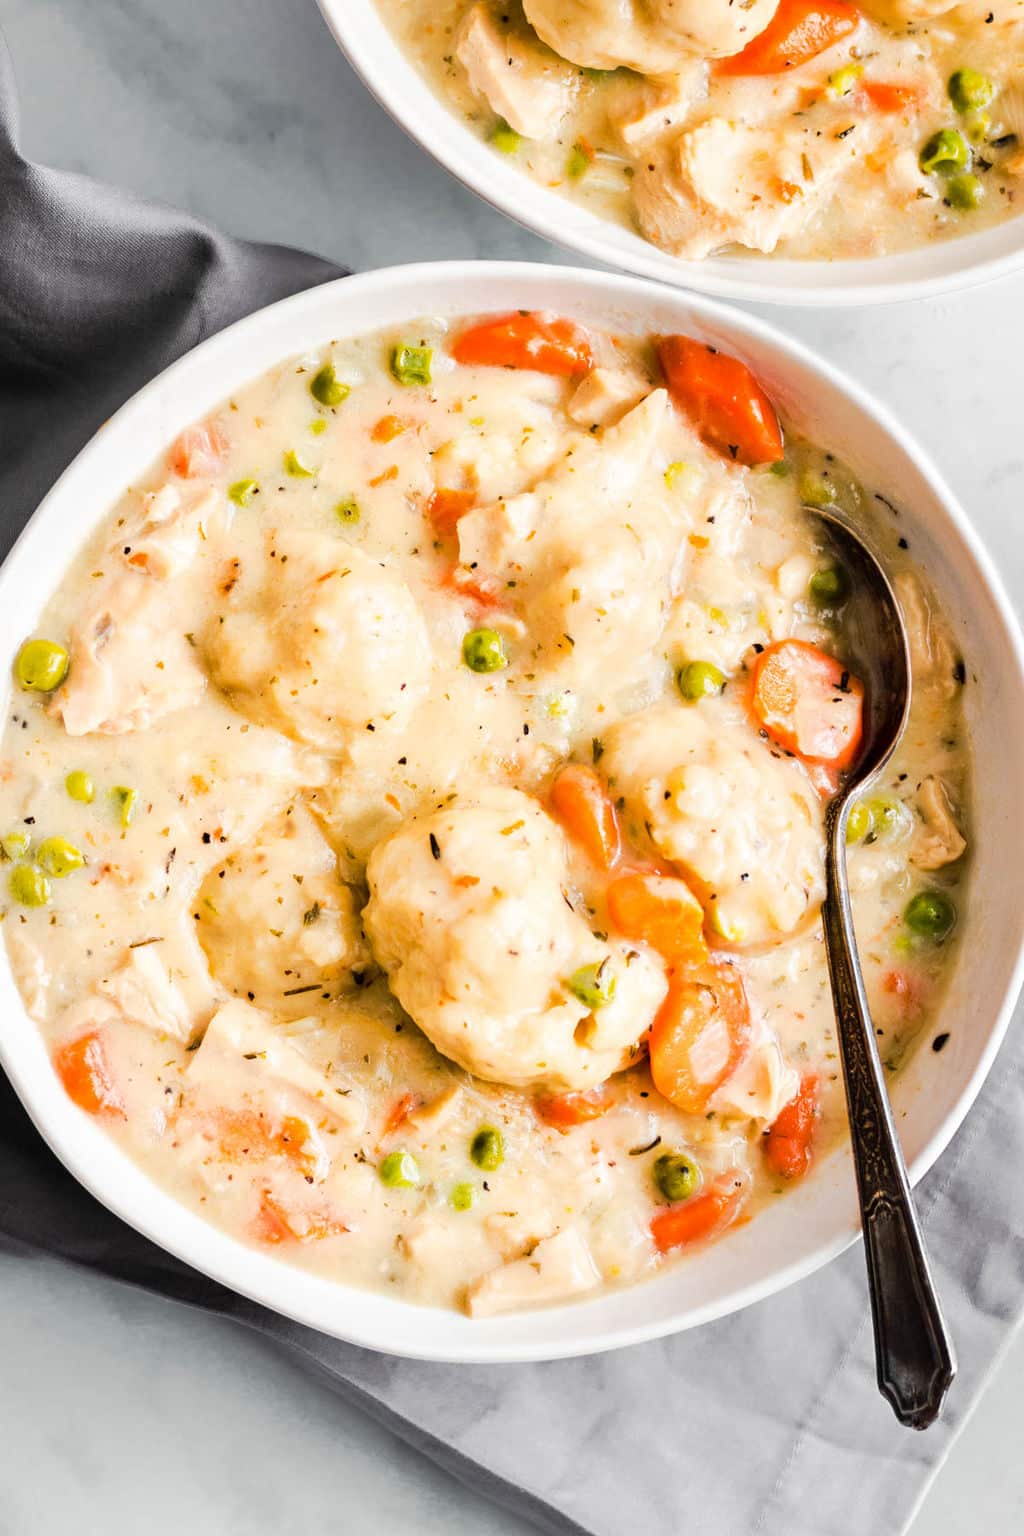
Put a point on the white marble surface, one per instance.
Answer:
(120, 1411)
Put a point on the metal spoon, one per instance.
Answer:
(913, 1351)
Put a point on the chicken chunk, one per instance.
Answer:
(558, 1267)
(642, 111)
(938, 839)
(650, 36)
(604, 396)
(139, 992)
(729, 183)
(743, 824)
(163, 538)
(763, 1083)
(244, 1057)
(129, 668)
(321, 641)
(932, 656)
(276, 922)
(519, 79)
(591, 552)
(468, 916)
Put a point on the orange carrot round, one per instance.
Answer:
(701, 1217)
(799, 31)
(564, 1110)
(659, 910)
(526, 339)
(723, 399)
(808, 702)
(83, 1068)
(787, 1143)
(581, 802)
(700, 1034)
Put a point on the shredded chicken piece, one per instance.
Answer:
(558, 1267)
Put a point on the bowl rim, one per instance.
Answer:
(407, 97)
(98, 1163)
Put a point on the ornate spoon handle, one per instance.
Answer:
(913, 1350)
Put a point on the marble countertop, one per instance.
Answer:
(243, 111)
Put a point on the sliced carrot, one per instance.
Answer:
(700, 1217)
(249, 1134)
(799, 31)
(700, 1034)
(723, 399)
(886, 97)
(399, 1113)
(199, 450)
(388, 428)
(526, 339)
(787, 1142)
(481, 592)
(808, 702)
(83, 1068)
(564, 1110)
(444, 508)
(275, 1223)
(580, 801)
(662, 911)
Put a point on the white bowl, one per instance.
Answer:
(919, 274)
(817, 1220)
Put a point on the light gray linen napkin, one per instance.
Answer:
(764, 1424)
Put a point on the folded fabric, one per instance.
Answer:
(767, 1422)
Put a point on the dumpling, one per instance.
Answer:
(469, 917)
(743, 824)
(651, 36)
(277, 925)
(321, 641)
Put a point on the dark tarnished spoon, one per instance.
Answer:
(914, 1353)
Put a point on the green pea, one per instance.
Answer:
(411, 365)
(965, 192)
(945, 152)
(842, 82)
(328, 388)
(15, 845)
(487, 1149)
(578, 163)
(890, 819)
(780, 469)
(978, 126)
(969, 89)
(505, 138)
(483, 650)
(830, 586)
(699, 680)
(124, 800)
(80, 787)
(29, 886)
(462, 1197)
(243, 491)
(58, 857)
(399, 1170)
(931, 915)
(294, 466)
(816, 492)
(594, 985)
(41, 665)
(347, 511)
(319, 426)
(858, 822)
(676, 1175)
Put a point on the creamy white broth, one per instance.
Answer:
(628, 110)
(336, 820)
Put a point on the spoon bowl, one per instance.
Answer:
(913, 1351)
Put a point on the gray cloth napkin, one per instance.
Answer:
(764, 1424)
